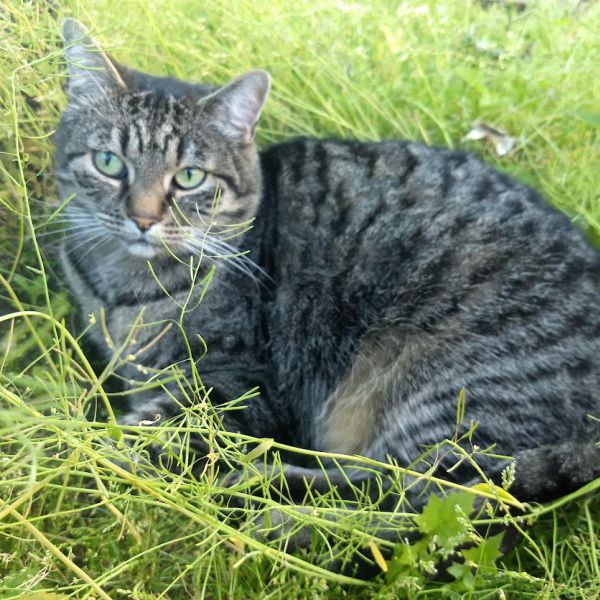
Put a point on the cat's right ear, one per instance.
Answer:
(91, 70)
(236, 107)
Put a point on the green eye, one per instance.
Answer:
(189, 178)
(108, 163)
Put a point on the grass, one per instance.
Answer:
(73, 521)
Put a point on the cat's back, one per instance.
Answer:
(393, 206)
(434, 256)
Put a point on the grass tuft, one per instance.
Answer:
(78, 516)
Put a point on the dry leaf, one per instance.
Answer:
(501, 494)
(239, 545)
(502, 142)
(376, 552)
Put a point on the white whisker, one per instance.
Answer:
(232, 258)
(86, 240)
(103, 239)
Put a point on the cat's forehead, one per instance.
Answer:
(151, 104)
(156, 110)
(130, 108)
(144, 124)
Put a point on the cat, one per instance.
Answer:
(376, 282)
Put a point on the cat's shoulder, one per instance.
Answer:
(411, 175)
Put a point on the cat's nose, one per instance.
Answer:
(146, 204)
(143, 223)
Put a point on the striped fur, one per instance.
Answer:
(381, 278)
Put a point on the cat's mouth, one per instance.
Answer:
(149, 245)
(144, 244)
(142, 248)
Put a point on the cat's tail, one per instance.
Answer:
(550, 471)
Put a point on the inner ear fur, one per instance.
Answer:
(91, 70)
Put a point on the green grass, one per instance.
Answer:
(72, 520)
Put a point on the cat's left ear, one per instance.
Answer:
(91, 70)
(236, 107)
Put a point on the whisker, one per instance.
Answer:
(240, 256)
(230, 257)
(76, 227)
(86, 240)
(106, 237)
(66, 219)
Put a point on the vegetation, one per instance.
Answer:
(78, 517)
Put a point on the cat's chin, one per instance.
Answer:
(141, 249)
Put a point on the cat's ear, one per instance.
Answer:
(236, 107)
(91, 70)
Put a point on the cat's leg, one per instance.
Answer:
(367, 404)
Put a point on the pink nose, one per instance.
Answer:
(143, 223)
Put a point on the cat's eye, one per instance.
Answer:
(109, 164)
(189, 178)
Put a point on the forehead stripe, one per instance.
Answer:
(162, 135)
(168, 146)
(180, 149)
(124, 140)
(138, 134)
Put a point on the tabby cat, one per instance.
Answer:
(380, 278)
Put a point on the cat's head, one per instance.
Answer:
(152, 163)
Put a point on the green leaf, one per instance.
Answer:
(486, 553)
(406, 558)
(440, 517)
(259, 450)
(458, 570)
(589, 118)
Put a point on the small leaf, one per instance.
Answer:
(406, 559)
(499, 493)
(485, 554)
(258, 451)
(378, 556)
(441, 518)
(457, 570)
